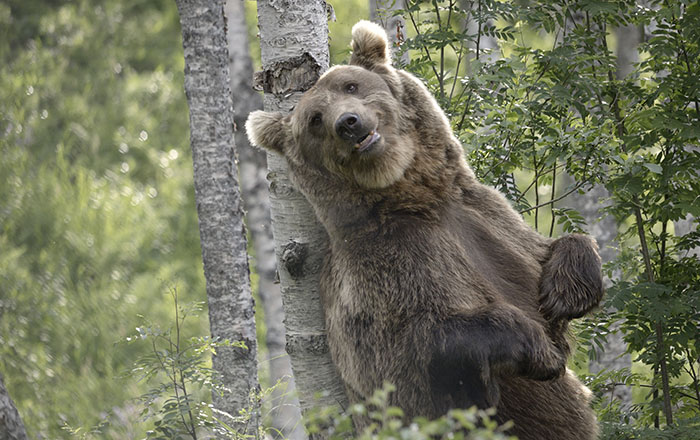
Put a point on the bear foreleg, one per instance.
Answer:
(469, 351)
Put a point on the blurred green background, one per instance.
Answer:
(97, 211)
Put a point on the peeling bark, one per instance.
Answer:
(11, 426)
(285, 415)
(294, 50)
(219, 208)
(289, 75)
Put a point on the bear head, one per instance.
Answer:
(351, 123)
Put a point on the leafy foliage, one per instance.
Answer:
(386, 422)
(177, 367)
(538, 98)
(96, 207)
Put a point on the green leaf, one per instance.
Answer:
(654, 168)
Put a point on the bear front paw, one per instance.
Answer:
(572, 282)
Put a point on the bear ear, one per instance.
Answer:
(370, 46)
(267, 130)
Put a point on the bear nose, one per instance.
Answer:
(348, 126)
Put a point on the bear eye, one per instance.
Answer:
(315, 120)
(351, 88)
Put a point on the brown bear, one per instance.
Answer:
(432, 281)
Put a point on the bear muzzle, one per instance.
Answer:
(350, 127)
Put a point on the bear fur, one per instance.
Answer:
(432, 281)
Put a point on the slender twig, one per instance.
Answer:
(462, 91)
(464, 113)
(172, 378)
(691, 370)
(660, 366)
(522, 193)
(442, 54)
(456, 76)
(641, 385)
(662, 251)
(615, 102)
(659, 329)
(191, 428)
(563, 196)
(655, 395)
(537, 190)
(449, 13)
(478, 35)
(425, 47)
(554, 188)
(160, 361)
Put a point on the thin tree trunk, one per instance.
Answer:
(285, 414)
(628, 39)
(685, 226)
(382, 13)
(221, 228)
(613, 355)
(658, 329)
(11, 426)
(689, 223)
(294, 52)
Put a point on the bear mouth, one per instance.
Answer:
(367, 141)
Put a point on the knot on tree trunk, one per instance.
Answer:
(296, 74)
(293, 257)
(309, 343)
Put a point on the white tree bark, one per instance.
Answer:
(382, 13)
(221, 228)
(689, 223)
(11, 426)
(628, 39)
(294, 52)
(285, 416)
(685, 226)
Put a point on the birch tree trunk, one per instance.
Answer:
(294, 52)
(11, 426)
(686, 226)
(382, 13)
(628, 39)
(613, 355)
(285, 416)
(221, 229)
